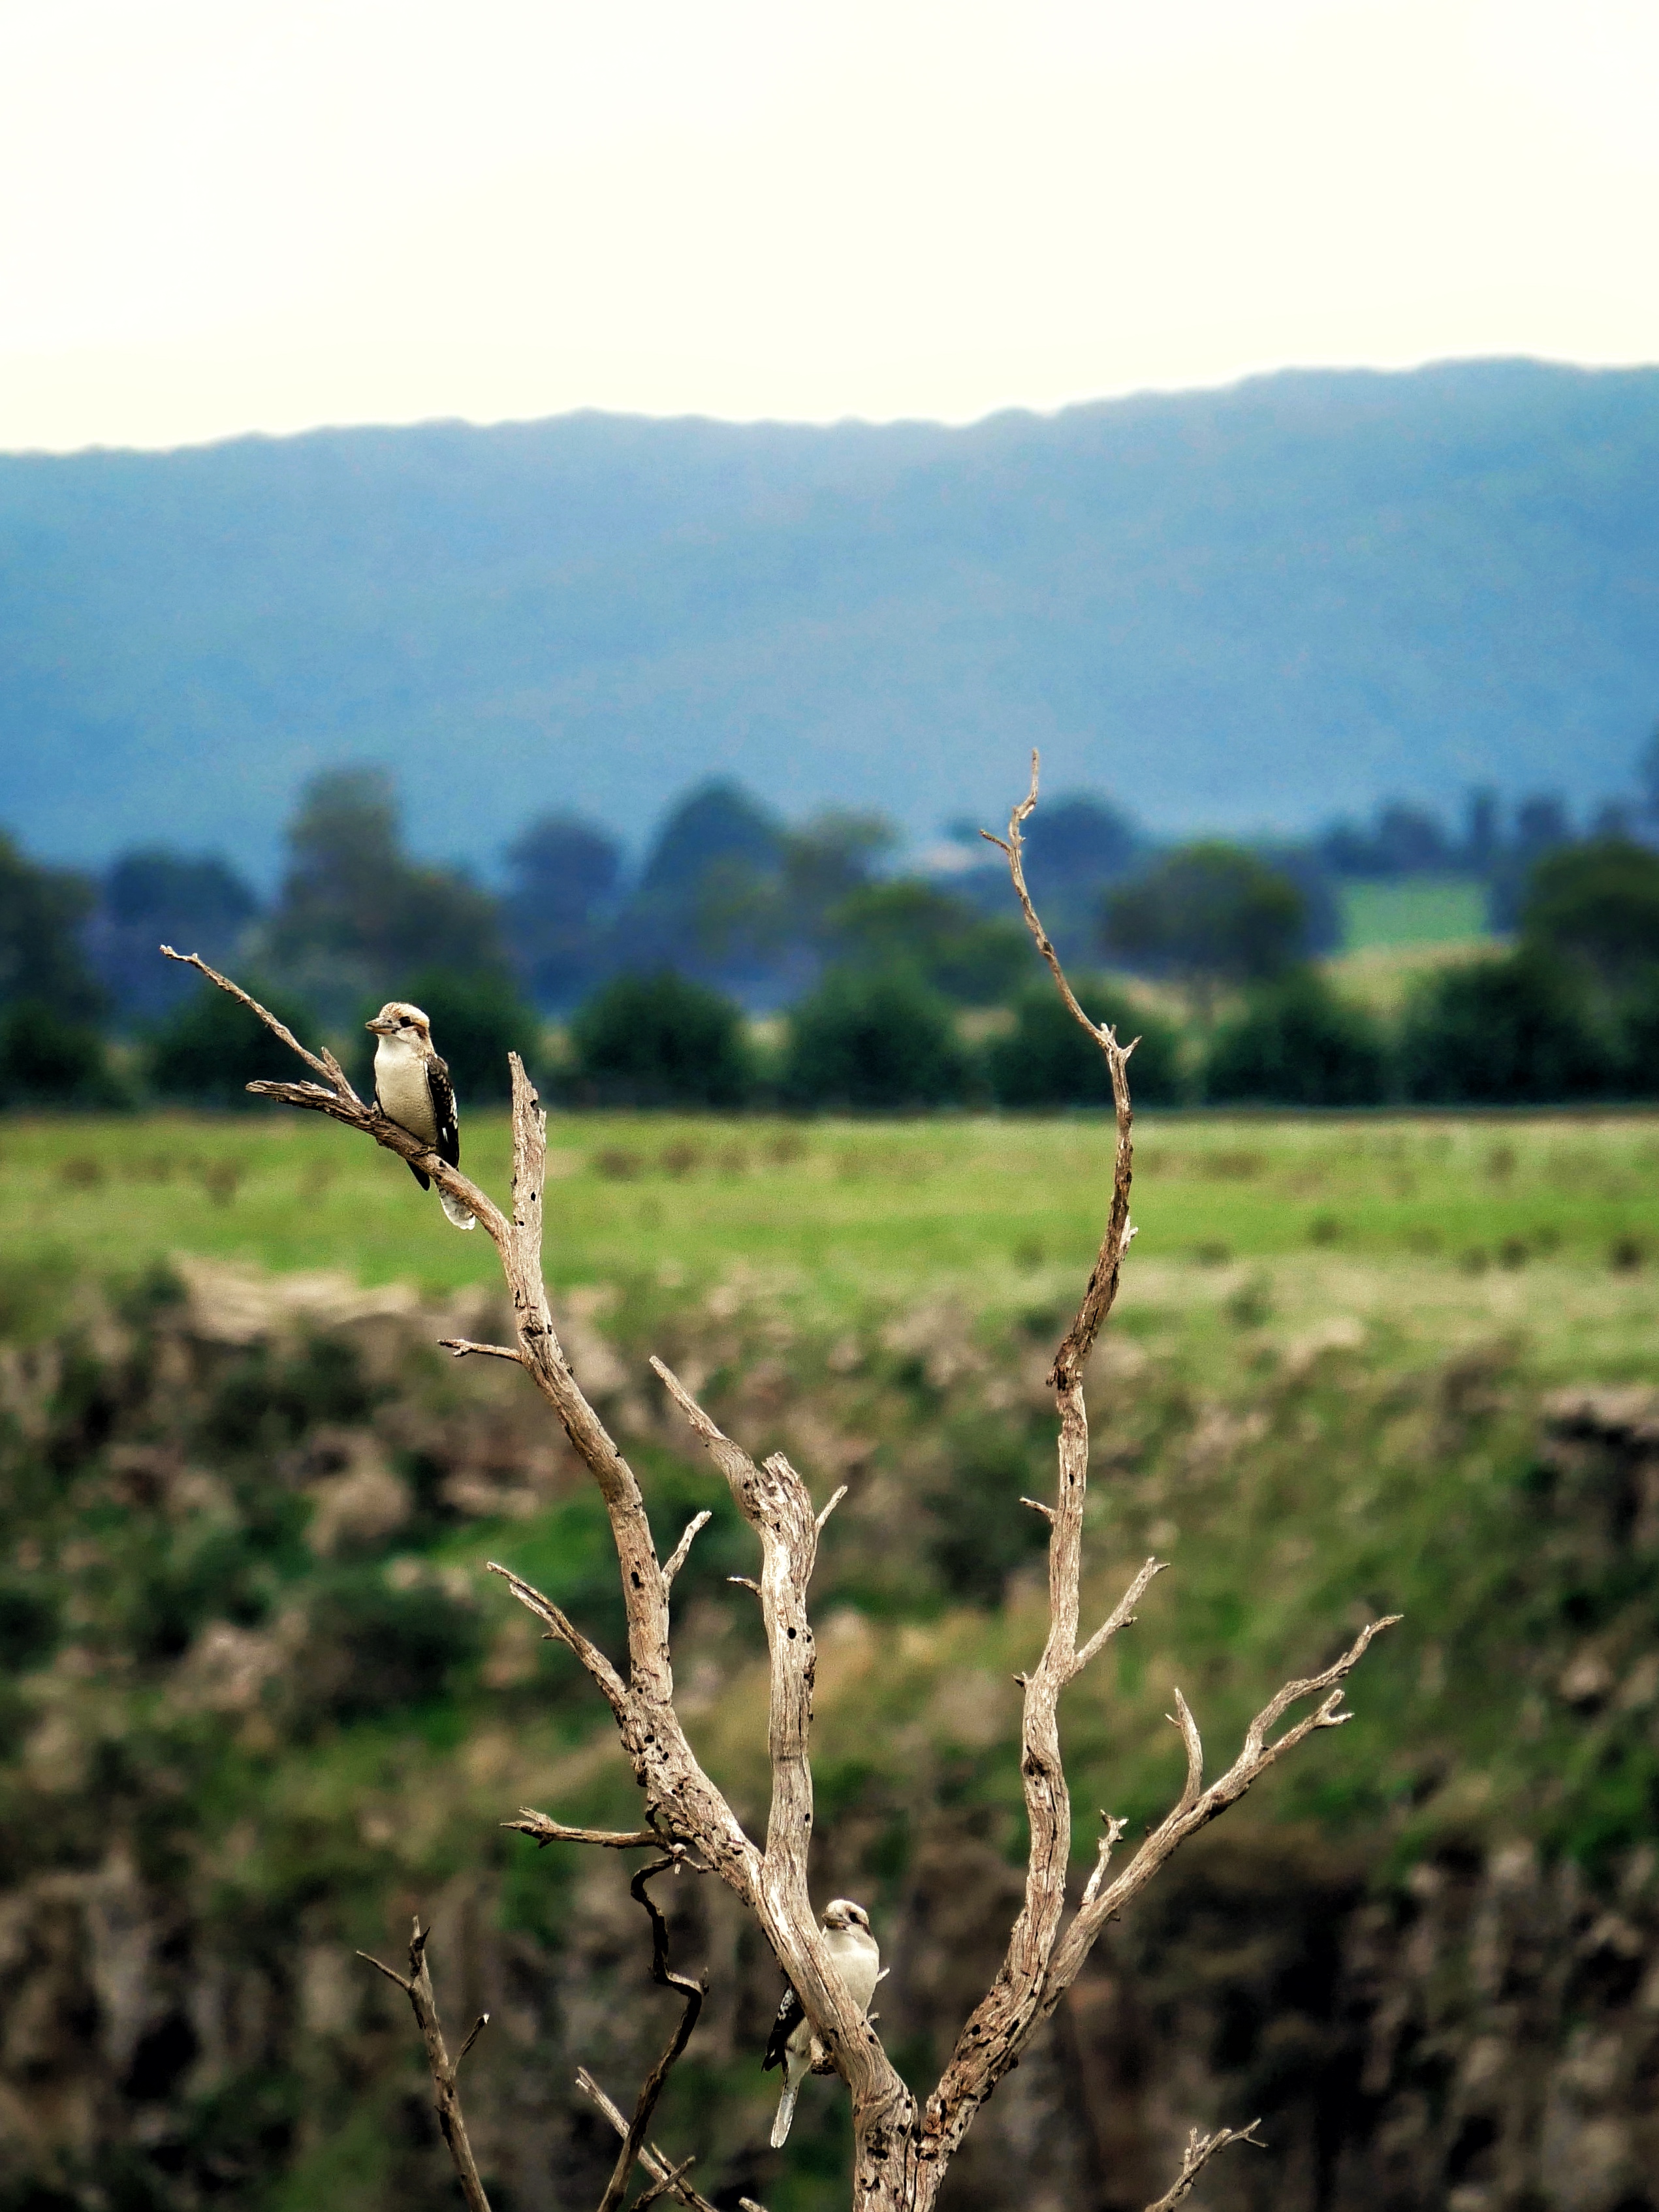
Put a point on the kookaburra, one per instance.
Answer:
(852, 1948)
(412, 1088)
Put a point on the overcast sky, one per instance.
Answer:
(219, 215)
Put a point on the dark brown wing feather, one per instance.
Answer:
(789, 2016)
(443, 1110)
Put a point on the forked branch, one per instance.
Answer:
(1200, 2150)
(417, 1988)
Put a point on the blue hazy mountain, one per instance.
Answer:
(1258, 606)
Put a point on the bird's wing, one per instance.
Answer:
(424, 1181)
(789, 2016)
(443, 1110)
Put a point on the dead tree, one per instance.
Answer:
(904, 2143)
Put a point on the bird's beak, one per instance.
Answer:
(380, 1028)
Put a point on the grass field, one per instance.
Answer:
(1447, 1227)
(1413, 910)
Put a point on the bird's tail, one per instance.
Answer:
(785, 2113)
(455, 1212)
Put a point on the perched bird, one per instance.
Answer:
(412, 1088)
(852, 1948)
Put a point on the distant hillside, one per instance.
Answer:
(1239, 608)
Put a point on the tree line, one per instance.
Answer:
(891, 992)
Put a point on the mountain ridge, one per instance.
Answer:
(1253, 606)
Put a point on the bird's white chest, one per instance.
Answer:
(859, 1956)
(401, 1085)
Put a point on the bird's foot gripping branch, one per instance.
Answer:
(903, 2144)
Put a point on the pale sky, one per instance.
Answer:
(221, 215)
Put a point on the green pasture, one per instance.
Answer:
(1413, 910)
(1437, 1227)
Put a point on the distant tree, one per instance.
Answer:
(1482, 830)
(706, 900)
(564, 877)
(1210, 914)
(42, 913)
(659, 1041)
(1511, 1031)
(1407, 840)
(1647, 776)
(953, 948)
(209, 1049)
(1080, 842)
(48, 1059)
(874, 1043)
(356, 911)
(1296, 1043)
(1543, 826)
(1046, 1060)
(1638, 1037)
(1597, 902)
(154, 898)
(1305, 866)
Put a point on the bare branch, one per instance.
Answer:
(327, 1067)
(692, 1993)
(1037, 1506)
(418, 1989)
(562, 1630)
(1182, 1717)
(1122, 1614)
(1200, 2150)
(745, 1582)
(655, 2164)
(824, 1511)
(676, 1557)
(479, 2027)
(1114, 1828)
(665, 2187)
(460, 1346)
(1196, 1810)
(543, 1831)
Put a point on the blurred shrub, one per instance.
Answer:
(878, 1044)
(48, 1060)
(213, 1047)
(1638, 1037)
(659, 1041)
(373, 1647)
(1298, 1043)
(955, 950)
(1504, 1032)
(1209, 912)
(1047, 1061)
(1597, 902)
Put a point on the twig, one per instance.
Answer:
(651, 2158)
(327, 1067)
(460, 1346)
(693, 1994)
(1114, 1828)
(1200, 2150)
(417, 1987)
(824, 1511)
(665, 2187)
(676, 1557)
(544, 1832)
